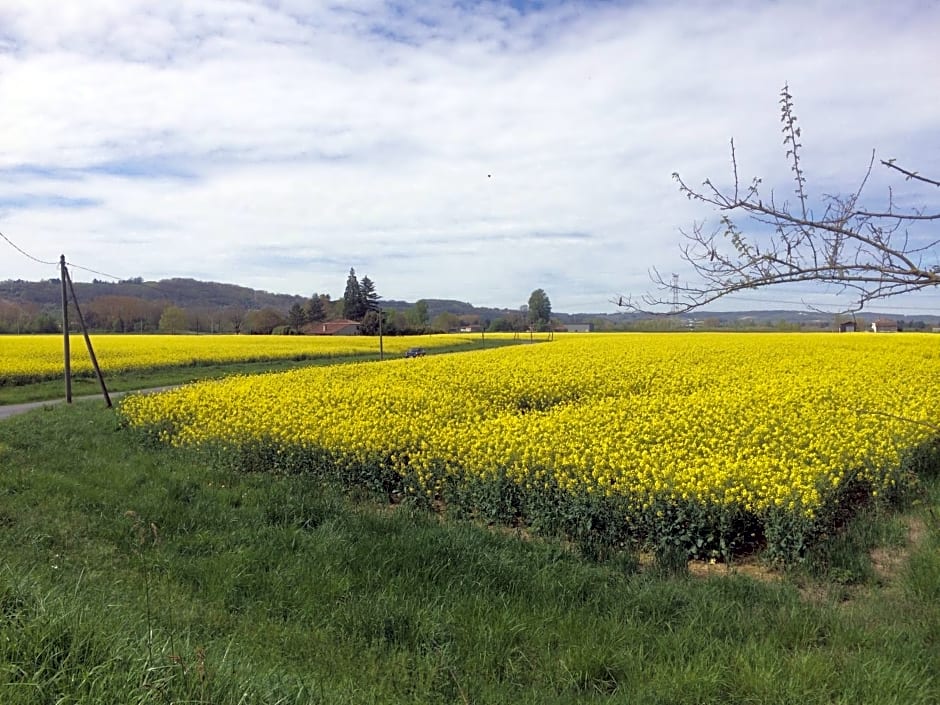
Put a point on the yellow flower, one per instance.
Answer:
(753, 420)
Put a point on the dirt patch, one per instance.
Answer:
(752, 569)
(887, 561)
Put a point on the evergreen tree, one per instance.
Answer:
(296, 317)
(353, 304)
(315, 310)
(370, 299)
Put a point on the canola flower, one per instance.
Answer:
(753, 421)
(29, 358)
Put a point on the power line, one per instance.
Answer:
(120, 280)
(886, 302)
(78, 266)
(95, 271)
(25, 253)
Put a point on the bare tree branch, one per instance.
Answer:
(869, 254)
(909, 174)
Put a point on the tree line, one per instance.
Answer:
(361, 302)
(124, 313)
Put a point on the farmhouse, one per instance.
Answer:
(578, 328)
(338, 327)
(883, 325)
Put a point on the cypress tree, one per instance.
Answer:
(353, 305)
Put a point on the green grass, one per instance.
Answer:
(140, 574)
(87, 384)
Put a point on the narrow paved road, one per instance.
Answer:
(14, 409)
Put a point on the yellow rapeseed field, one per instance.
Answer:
(754, 421)
(26, 358)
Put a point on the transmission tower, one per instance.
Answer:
(675, 293)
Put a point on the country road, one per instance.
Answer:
(9, 410)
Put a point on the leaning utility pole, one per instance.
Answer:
(66, 288)
(65, 331)
(91, 350)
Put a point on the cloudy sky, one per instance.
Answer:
(466, 150)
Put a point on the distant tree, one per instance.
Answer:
(149, 318)
(9, 312)
(501, 325)
(371, 323)
(234, 317)
(353, 304)
(264, 321)
(203, 319)
(601, 324)
(334, 309)
(469, 320)
(45, 323)
(173, 320)
(14, 318)
(315, 310)
(540, 309)
(712, 322)
(370, 299)
(397, 323)
(218, 318)
(122, 313)
(445, 322)
(296, 317)
(512, 322)
(418, 314)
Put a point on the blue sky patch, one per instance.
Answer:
(144, 168)
(29, 201)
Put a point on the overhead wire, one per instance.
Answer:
(116, 278)
(25, 253)
(119, 280)
(823, 305)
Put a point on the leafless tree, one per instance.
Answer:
(865, 254)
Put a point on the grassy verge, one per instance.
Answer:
(136, 574)
(167, 376)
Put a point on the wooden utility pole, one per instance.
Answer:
(65, 332)
(381, 344)
(67, 287)
(91, 350)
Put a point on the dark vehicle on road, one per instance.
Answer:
(415, 352)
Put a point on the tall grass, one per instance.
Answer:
(136, 574)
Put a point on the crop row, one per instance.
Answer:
(754, 426)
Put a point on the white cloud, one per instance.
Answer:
(446, 152)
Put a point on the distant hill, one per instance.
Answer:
(194, 294)
(185, 293)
